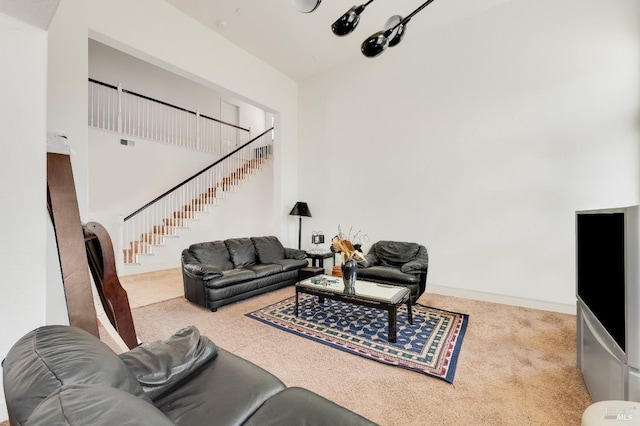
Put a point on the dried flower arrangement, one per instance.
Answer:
(342, 244)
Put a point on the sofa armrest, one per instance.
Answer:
(414, 267)
(291, 253)
(201, 271)
(160, 365)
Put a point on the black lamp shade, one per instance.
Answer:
(347, 22)
(305, 6)
(300, 209)
(394, 31)
(398, 29)
(375, 44)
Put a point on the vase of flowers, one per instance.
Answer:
(348, 254)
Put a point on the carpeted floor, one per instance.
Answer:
(517, 366)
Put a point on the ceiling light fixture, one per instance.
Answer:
(349, 21)
(392, 34)
(394, 31)
(305, 6)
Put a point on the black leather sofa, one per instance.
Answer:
(220, 272)
(60, 375)
(396, 263)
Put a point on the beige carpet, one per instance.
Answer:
(517, 366)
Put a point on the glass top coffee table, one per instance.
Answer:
(364, 293)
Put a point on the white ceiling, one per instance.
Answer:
(34, 12)
(301, 45)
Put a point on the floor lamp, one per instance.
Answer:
(300, 209)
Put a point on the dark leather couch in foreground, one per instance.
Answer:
(220, 272)
(60, 375)
(396, 263)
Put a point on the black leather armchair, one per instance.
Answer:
(396, 263)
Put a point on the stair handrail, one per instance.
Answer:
(184, 182)
(148, 98)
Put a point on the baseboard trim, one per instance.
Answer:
(138, 268)
(505, 300)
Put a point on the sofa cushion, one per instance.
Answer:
(81, 405)
(291, 253)
(292, 264)
(226, 391)
(269, 249)
(57, 355)
(242, 252)
(213, 253)
(265, 269)
(395, 253)
(298, 406)
(161, 365)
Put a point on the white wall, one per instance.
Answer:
(480, 140)
(23, 217)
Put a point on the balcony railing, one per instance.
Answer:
(116, 109)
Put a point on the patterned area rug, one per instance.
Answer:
(430, 346)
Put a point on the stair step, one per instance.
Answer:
(176, 222)
(194, 207)
(151, 238)
(185, 215)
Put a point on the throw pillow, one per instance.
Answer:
(160, 365)
(269, 249)
(212, 253)
(395, 253)
(242, 251)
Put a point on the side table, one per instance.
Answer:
(317, 259)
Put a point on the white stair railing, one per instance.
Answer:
(162, 218)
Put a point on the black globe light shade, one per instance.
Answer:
(305, 6)
(394, 31)
(349, 21)
(398, 31)
(375, 44)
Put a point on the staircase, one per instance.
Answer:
(113, 108)
(163, 217)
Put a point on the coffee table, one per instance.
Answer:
(364, 293)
